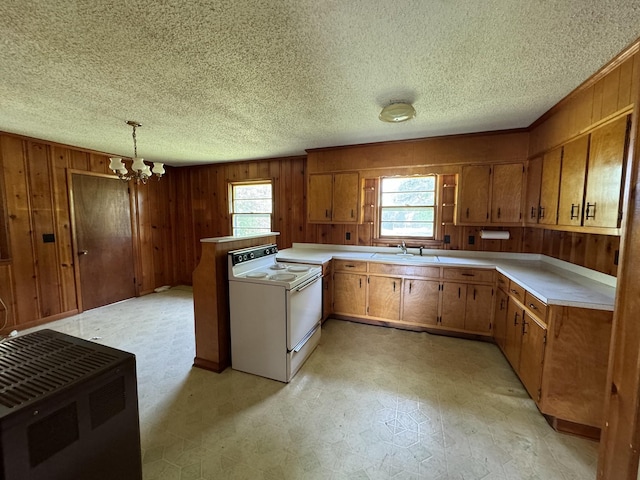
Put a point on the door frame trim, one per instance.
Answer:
(135, 237)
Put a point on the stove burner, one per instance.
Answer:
(283, 277)
(277, 266)
(298, 268)
(256, 275)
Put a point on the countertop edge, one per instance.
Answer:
(317, 254)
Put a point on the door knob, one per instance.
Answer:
(82, 252)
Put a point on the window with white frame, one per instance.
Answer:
(408, 206)
(251, 206)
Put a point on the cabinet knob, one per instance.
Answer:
(591, 207)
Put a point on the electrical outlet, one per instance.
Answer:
(472, 239)
(447, 239)
(348, 235)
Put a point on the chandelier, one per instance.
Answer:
(140, 171)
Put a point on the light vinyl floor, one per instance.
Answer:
(370, 403)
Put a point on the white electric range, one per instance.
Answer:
(276, 312)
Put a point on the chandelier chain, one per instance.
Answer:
(135, 146)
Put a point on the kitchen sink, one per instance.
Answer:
(405, 256)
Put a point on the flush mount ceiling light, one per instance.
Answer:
(397, 112)
(140, 170)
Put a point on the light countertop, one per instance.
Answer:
(553, 281)
(235, 239)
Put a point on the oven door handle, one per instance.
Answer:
(308, 284)
(306, 338)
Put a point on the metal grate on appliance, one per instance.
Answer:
(42, 362)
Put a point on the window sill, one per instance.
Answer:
(410, 242)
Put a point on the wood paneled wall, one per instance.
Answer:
(375, 158)
(37, 280)
(203, 204)
(607, 94)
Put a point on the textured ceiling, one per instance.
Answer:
(243, 79)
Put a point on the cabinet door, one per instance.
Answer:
(604, 177)
(384, 297)
(574, 166)
(532, 200)
(327, 296)
(345, 197)
(506, 193)
(479, 308)
(474, 194)
(532, 355)
(420, 301)
(550, 187)
(513, 338)
(349, 293)
(454, 300)
(500, 319)
(319, 198)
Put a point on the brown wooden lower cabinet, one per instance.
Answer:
(384, 297)
(513, 337)
(420, 301)
(349, 293)
(454, 305)
(575, 366)
(327, 290)
(534, 337)
(560, 354)
(500, 318)
(479, 308)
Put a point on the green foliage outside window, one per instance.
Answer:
(408, 206)
(251, 208)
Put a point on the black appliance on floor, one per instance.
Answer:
(68, 410)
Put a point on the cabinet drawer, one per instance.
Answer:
(537, 307)
(406, 270)
(516, 291)
(469, 275)
(503, 282)
(349, 266)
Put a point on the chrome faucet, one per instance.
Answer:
(403, 247)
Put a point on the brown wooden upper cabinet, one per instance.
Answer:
(474, 188)
(603, 191)
(532, 196)
(333, 197)
(573, 174)
(550, 187)
(591, 177)
(506, 193)
(491, 194)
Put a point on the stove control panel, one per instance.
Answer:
(253, 253)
